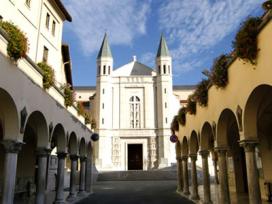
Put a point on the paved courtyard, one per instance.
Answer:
(135, 192)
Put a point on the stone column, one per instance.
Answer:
(206, 176)
(185, 175)
(60, 178)
(194, 195)
(224, 195)
(72, 193)
(179, 168)
(10, 165)
(82, 176)
(215, 158)
(89, 175)
(42, 155)
(252, 172)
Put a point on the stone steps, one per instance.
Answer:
(137, 175)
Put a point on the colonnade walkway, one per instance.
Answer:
(135, 192)
(235, 198)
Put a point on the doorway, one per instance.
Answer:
(135, 157)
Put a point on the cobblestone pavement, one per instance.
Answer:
(135, 192)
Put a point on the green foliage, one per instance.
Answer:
(191, 105)
(267, 5)
(219, 71)
(201, 92)
(245, 43)
(182, 116)
(68, 95)
(48, 75)
(17, 42)
(93, 124)
(87, 117)
(174, 124)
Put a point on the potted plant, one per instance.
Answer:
(68, 95)
(17, 42)
(219, 71)
(182, 116)
(245, 43)
(201, 92)
(48, 75)
(191, 105)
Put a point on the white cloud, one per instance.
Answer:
(148, 59)
(196, 26)
(123, 20)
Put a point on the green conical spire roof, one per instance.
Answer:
(163, 49)
(105, 50)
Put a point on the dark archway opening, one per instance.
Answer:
(135, 157)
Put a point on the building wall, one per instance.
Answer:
(31, 20)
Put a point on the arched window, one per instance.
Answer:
(104, 69)
(134, 104)
(164, 69)
(159, 69)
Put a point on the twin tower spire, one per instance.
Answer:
(105, 50)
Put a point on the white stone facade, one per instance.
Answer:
(134, 104)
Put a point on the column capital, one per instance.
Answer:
(204, 153)
(83, 158)
(249, 145)
(184, 157)
(73, 157)
(11, 146)
(43, 151)
(193, 157)
(221, 150)
(61, 155)
(178, 158)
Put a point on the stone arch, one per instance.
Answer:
(82, 147)
(73, 144)
(228, 137)
(206, 137)
(226, 122)
(58, 138)
(35, 136)
(184, 147)
(9, 116)
(37, 122)
(258, 126)
(193, 143)
(258, 98)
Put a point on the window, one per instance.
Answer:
(54, 28)
(164, 69)
(103, 91)
(104, 69)
(47, 20)
(102, 121)
(165, 90)
(166, 120)
(169, 69)
(165, 105)
(159, 69)
(103, 105)
(45, 54)
(109, 69)
(28, 2)
(134, 104)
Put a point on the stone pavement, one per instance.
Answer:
(135, 192)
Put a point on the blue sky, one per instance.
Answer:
(196, 31)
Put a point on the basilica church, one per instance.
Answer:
(133, 107)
